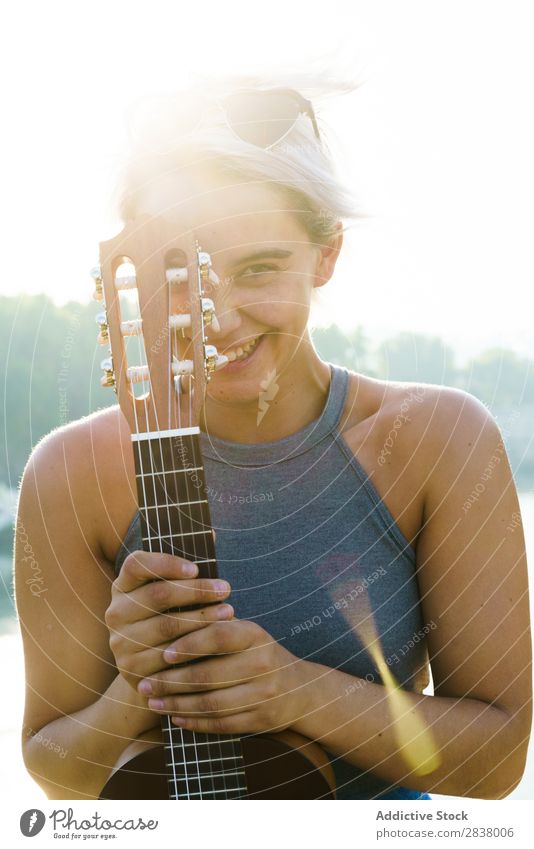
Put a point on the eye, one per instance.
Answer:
(257, 269)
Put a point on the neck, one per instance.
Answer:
(291, 401)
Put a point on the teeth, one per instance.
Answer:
(242, 352)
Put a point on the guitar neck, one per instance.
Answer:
(175, 519)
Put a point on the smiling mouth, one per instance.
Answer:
(242, 352)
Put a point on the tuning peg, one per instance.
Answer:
(180, 367)
(179, 275)
(108, 381)
(96, 274)
(213, 360)
(176, 275)
(138, 374)
(103, 336)
(206, 270)
(208, 311)
(128, 281)
(179, 321)
(132, 327)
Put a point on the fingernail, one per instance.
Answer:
(225, 611)
(170, 655)
(155, 704)
(190, 569)
(221, 587)
(179, 720)
(145, 687)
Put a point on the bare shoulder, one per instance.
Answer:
(420, 419)
(409, 437)
(85, 469)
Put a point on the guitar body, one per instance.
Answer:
(279, 766)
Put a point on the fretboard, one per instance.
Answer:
(175, 519)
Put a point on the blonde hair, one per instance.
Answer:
(299, 167)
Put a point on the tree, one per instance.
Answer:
(416, 357)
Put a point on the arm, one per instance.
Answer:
(79, 625)
(473, 582)
(74, 697)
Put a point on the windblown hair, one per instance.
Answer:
(299, 168)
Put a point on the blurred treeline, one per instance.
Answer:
(51, 366)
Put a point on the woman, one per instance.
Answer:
(341, 505)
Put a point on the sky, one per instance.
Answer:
(437, 144)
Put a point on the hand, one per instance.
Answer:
(149, 585)
(251, 685)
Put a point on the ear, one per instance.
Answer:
(327, 257)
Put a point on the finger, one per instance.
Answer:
(164, 595)
(210, 674)
(159, 630)
(140, 567)
(239, 699)
(239, 723)
(234, 636)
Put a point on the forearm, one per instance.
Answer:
(480, 749)
(82, 748)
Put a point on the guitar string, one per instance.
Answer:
(236, 752)
(214, 742)
(184, 552)
(150, 539)
(171, 400)
(237, 757)
(142, 468)
(193, 538)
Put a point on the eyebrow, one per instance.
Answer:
(273, 253)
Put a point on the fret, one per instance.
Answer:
(177, 504)
(188, 550)
(176, 521)
(208, 774)
(213, 741)
(208, 793)
(170, 472)
(159, 436)
(206, 784)
(209, 760)
(176, 536)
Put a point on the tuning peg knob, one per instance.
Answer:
(206, 271)
(108, 381)
(96, 274)
(176, 275)
(103, 336)
(213, 360)
(208, 311)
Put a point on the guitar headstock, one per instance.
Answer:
(168, 275)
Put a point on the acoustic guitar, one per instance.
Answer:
(159, 365)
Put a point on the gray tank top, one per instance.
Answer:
(308, 547)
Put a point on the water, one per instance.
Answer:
(17, 786)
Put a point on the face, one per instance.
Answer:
(267, 267)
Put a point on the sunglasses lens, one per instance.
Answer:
(261, 118)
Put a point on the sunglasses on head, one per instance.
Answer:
(262, 118)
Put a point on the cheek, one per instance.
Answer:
(285, 305)
(280, 317)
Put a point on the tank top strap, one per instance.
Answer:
(269, 453)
